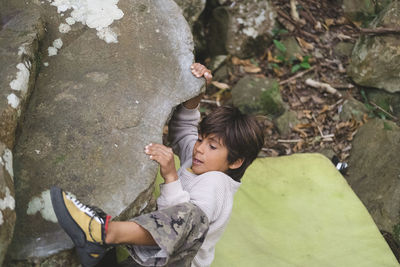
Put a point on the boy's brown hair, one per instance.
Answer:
(240, 133)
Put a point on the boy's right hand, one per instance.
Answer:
(165, 157)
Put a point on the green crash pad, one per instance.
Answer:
(299, 211)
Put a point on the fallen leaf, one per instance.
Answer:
(317, 99)
(329, 22)
(252, 69)
(304, 99)
(341, 20)
(304, 44)
(220, 85)
(324, 109)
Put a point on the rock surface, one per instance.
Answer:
(258, 96)
(20, 34)
(375, 59)
(105, 90)
(388, 101)
(7, 200)
(374, 171)
(238, 29)
(191, 9)
(286, 122)
(352, 109)
(358, 9)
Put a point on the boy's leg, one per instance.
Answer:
(179, 232)
(176, 231)
(128, 233)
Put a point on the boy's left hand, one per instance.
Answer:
(200, 70)
(165, 157)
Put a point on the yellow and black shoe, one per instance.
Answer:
(85, 225)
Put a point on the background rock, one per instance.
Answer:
(191, 9)
(388, 101)
(375, 59)
(241, 28)
(93, 110)
(353, 108)
(358, 9)
(374, 169)
(258, 96)
(286, 122)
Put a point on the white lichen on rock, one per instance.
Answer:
(58, 43)
(7, 202)
(8, 162)
(107, 35)
(70, 21)
(13, 100)
(43, 205)
(52, 51)
(20, 83)
(64, 28)
(22, 50)
(98, 15)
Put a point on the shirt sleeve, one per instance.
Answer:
(171, 194)
(182, 131)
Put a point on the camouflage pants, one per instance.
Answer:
(179, 231)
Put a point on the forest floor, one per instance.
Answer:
(321, 27)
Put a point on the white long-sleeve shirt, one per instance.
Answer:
(212, 191)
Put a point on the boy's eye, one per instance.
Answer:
(213, 147)
(199, 140)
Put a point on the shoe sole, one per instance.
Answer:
(83, 247)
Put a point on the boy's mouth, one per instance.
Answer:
(196, 161)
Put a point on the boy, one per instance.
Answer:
(195, 202)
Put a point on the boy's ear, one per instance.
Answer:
(237, 164)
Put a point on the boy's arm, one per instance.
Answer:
(182, 128)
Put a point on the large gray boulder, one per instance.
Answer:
(375, 61)
(7, 200)
(20, 33)
(241, 28)
(110, 76)
(374, 169)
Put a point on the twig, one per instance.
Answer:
(286, 21)
(325, 86)
(325, 137)
(210, 102)
(298, 75)
(379, 30)
(289, 141)
(384, 111)
(293, 10)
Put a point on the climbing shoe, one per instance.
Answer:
(85, 225)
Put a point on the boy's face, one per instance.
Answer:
(209, 154)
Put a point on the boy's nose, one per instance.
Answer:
(200, 147)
